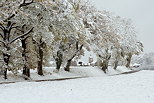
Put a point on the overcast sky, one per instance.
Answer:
(140, 11)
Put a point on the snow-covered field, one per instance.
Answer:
(131, 88)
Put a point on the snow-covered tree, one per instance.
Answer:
(38, 16)
(8, 29)
(67, 30)
(129, 44)
(99, 32)
(37, 30)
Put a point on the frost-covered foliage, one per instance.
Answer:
(39, 30)
(108, 35)
(8, 33)
(39, 15)
(128, 42)
(99, 32)
(127, 33)
(67, 29)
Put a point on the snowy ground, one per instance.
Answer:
(131, 88)
(50, 73)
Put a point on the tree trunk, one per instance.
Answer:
(6, 56)
(40, 62)
(115, 65)
(78, 49)
(128, 60)
(5, 73)
(58, 64)
(6, 61)
(104, 66)
(7, 42)
(26, 70)
(67, 68)
(58, 60)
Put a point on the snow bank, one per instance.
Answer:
(132, 88)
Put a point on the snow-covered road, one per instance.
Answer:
(132, 88)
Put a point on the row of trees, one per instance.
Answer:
(34, 31)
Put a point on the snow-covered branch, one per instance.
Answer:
(2, 42)
(1, 35)
(24, 3)
(2, 27)
(20, 36)
(8, 18)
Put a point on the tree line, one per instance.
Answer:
(34, 31)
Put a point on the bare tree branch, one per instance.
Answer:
(20, 36)
(23, 26)
(2, 42)
(11, 27)
(77, 45)
(21, 29)
(81, 47)
(77, 51)
(27, 37)
(25, 4)
(15, 27)
(2, 27)
(11, 16)
(2, 35)
(34, 41)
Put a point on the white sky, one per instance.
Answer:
(140, 11)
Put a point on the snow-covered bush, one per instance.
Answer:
(147, 61)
